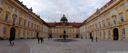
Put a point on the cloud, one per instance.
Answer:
(75, 10)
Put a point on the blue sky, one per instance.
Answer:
(75, 10)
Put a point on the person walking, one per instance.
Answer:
(96, 39)
(38, 40)
(92, 39)
(11, 40)
(42, 39)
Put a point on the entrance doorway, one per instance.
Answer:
(90, 35)
(115, 34)
(50, 36)
(12, 32)
(77, 36)
(37, 35)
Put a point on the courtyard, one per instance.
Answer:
(51, 46)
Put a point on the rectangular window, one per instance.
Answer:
(23, 32)
(31, 33)
(121, 17)
(32, 26)
(109, 33)
(35, 27)
(9, 6)
(18, 32)
(100, 34)
(6, 17)
(104, 24)
(104, 33)
(99, 25)
(126, 3)
(28, 34)
(118, 7)
(102, 17)
(14, 19)
(123, 32)
(24, 23)
(107, 14)
(96, 26)
(19, 21)
(21, 13)
(4, 30)
(2, 2)
(28, 24)
(0, 12)
(108, 23)
(25, 16)
(114, 21)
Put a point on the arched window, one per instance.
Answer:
(6, 17)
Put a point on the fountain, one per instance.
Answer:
(64, 21)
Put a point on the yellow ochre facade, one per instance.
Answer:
(108, 22)
(19, 21)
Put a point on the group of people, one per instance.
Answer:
(40, 39)
(92, 39)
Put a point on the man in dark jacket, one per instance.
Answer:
(92, 39)
(11, 39)
(42, 39)
(38, 40)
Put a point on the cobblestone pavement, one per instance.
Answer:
(19, 47)
(50, 46)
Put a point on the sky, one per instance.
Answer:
(74, 10)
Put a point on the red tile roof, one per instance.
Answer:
(54, 24)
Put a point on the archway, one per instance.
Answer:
(77, 36)
(50, 36)
(37, 35)
(115, 34)
(12, 32)
(90, 35)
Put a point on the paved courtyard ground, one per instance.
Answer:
(50, 46)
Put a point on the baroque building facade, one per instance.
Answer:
(19, 21)
(57, 28)
(108, 22)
